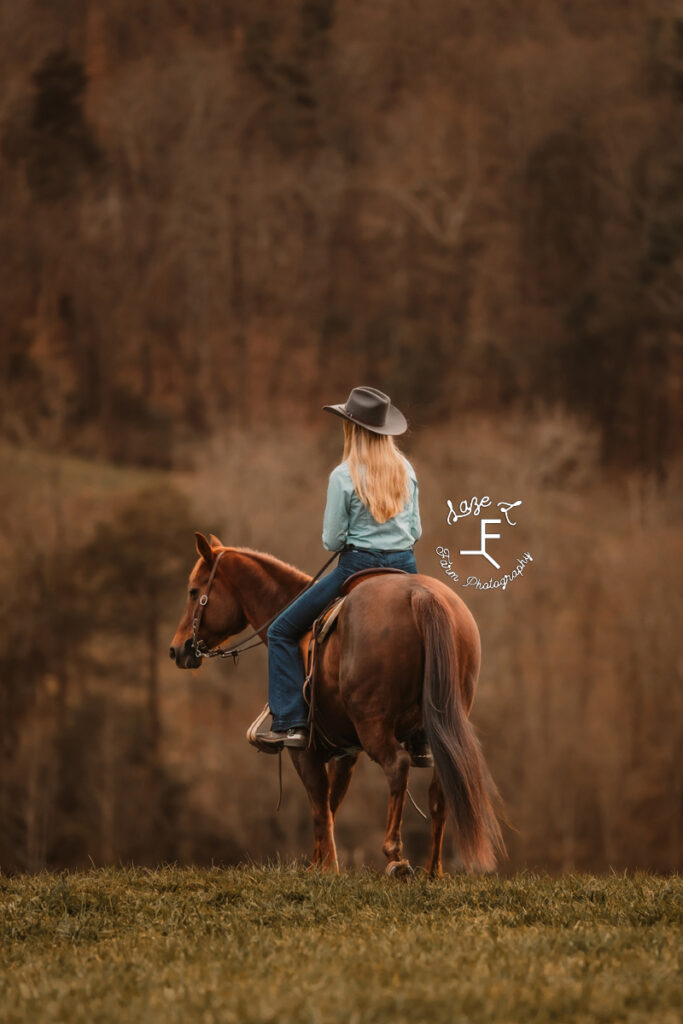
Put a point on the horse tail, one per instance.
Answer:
(465, 779)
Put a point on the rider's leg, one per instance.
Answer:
(285, 662)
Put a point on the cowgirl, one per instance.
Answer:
(372, 517)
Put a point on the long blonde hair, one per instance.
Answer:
(378, 470)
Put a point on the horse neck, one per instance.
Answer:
(261, 583)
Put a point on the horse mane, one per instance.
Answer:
(279, 575)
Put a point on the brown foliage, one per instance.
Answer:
(477, 204)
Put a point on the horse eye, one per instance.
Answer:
(194, 592)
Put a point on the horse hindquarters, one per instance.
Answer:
(457, 754)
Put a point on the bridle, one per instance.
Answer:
(198, 646)
(200, 649)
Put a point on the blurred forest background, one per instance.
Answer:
(216, 217)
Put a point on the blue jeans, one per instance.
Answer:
(286, 671)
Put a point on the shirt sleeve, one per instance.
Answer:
(336, 517)
(415, 524)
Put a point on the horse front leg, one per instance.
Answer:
(385, 749)
(437, 809)
(312, 772)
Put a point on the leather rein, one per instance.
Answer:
(199, 647)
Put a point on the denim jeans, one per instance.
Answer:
(286, 671)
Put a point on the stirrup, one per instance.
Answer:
(252, 731)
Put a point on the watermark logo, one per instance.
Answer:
(474, 507)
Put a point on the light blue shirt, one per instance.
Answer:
(348, 521)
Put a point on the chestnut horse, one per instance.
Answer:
(405, 653)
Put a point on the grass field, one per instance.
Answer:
(277, 943)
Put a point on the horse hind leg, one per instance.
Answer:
(395, 762)
(339, 772)
(437, 810)
(313, 774)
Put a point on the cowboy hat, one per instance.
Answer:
(371, 409)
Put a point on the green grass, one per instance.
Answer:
(280, 944)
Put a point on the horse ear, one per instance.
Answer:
(204, 548)
(215, 542)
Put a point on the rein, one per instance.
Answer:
(199, 647)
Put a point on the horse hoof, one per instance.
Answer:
(400, 869)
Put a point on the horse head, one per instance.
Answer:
(218, 617)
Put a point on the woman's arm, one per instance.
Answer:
(415, 524)
(336, 517)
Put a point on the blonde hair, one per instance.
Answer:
(378, 470)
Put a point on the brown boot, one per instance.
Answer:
(295, 739)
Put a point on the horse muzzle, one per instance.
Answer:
(184, 656)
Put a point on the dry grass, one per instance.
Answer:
(277, 943)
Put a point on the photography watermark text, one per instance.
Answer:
(474, 506)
